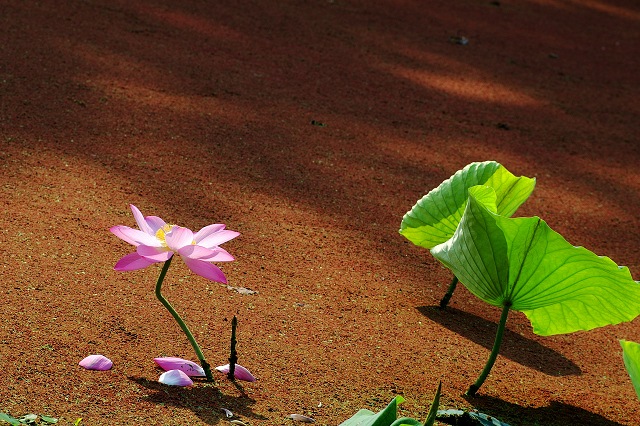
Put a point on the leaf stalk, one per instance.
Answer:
(452, 287)
(494, 351)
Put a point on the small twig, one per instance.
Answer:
(233, 357)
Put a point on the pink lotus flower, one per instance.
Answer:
(96, 362)
(156, 241)
(190, 368)
(239, 372)
(175, 378)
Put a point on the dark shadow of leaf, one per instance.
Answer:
(554, 414)
(205, 400)
(515, 347)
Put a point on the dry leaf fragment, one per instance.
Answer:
(242, 290)
(301, 418)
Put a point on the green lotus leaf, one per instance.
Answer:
(405, 421)
(435, 217)
(387, 417)
(433, 410)
(368, 418)
(631, 357)
(11, 420)
(525, 265)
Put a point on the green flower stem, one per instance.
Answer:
(452, 287)
(494, 352)
(183, 326)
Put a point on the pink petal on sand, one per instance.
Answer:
(239, 372)
(175, 378)
(172, 363)
(96, 362)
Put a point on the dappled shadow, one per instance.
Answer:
(206, 402)
(201, 111)
(250, 68)
(554, 414)
(515, 347)
(245, 100)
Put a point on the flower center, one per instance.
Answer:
(161, 234)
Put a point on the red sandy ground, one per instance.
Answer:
(200, 112)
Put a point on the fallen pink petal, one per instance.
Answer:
(156, 241)
(239, 372)
(190, 368)
(175, 378)
(96, 362)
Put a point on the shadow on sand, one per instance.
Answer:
(206, 402)
(554, 414)
(515, 347)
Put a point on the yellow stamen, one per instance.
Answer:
(161, 234)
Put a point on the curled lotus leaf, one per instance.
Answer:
(435, 217)
(522, 263)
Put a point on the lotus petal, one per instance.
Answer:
(239, 372)
(134, 236)
(204, 269)
(190, 368)
(178, 237)
(155, 223)
(175, 378)
(132, 262)
(154, 254)
(208, 230)
(215, 239)
(142, 223)
(96, 362)
(197, 252)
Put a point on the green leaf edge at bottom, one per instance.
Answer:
(631, 358)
